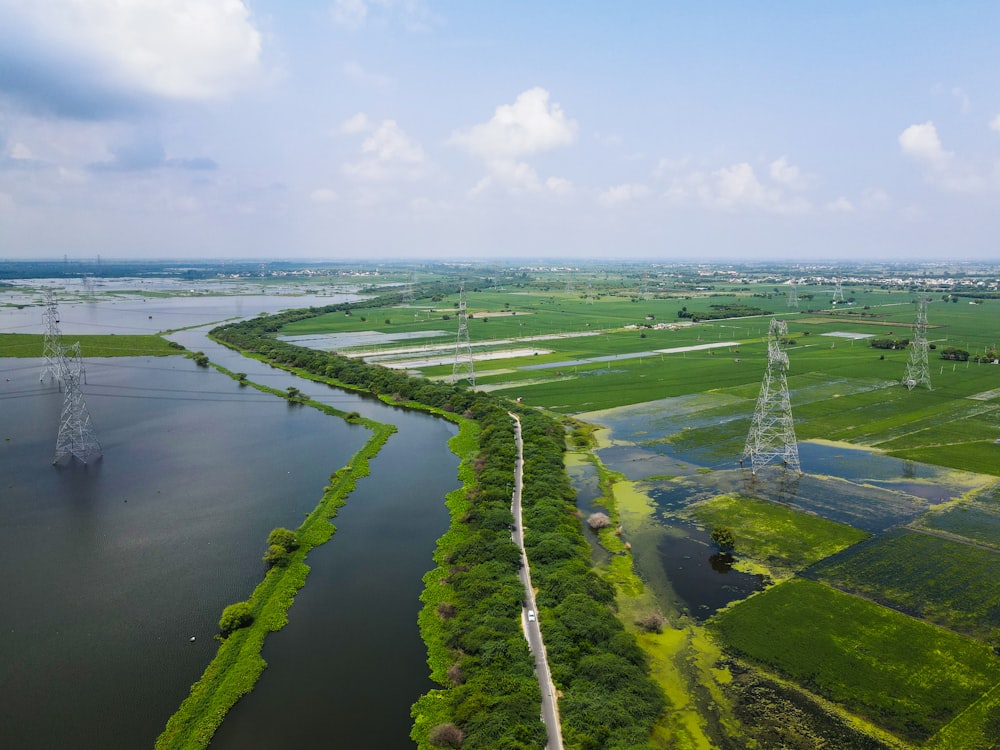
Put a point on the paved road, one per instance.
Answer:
(532, 631)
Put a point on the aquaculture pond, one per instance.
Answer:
(112, 568)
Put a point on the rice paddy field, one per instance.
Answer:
(882, 629)
(902, 674)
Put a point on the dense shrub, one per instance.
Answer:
(234, 617)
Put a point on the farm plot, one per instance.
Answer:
(904, 675)
(865, 507)
(776, 536)
(975, 522)
(952, 584)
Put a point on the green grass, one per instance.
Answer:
(975, 522)
(112, 345)
(950, 583)
(774, 535)
(902, 674)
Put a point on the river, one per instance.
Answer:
(112, 568)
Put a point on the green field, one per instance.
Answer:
(112, 345)
(973, 521)
(952, 584)
(840, 389)
(774, 535)
(904, 675)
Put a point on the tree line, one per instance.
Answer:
(489, 696)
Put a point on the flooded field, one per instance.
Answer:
(855, 486)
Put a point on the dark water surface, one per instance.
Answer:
(111, 568)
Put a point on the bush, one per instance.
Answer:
(276, 556)
(598, 521)
(234, 617)
(284, 538)
(446, 735)
(724, 537)
(652, 623)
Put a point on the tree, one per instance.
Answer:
(283, 538)
(724, 537)
(234, 617)
(276, 556)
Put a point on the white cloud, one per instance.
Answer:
(21, 152)
(528, 126)
(323, 195)
(355, 72)
(875, 199)
(349, 13)
(995, 123)
(624, 193)
(559, 185)
(964, 102)
(355, 124)
(177, 49)
(413, 15)
(666, 166)
(921, 142)
(841, 206)
(788, 175)
(515, 176)
(737, 187)
(941, 168)
(389, 154)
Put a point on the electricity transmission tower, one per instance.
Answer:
(408, 288)
(590, 293)
(463, 367)
(77, 438)
(52, 348)
(569, 282)
(838, 292)
(793, 296)
(917, 370)
(772, 429)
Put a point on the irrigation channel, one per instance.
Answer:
(112, 568)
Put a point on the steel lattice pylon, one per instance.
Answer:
(772, 429)
(838, 292)
(52, 349)
(463, 368)
(793, 295)
(77, 438)
(917, 370)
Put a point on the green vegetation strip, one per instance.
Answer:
(237, 664)
(902, 674)
(948, 582)
(113, 345)
(975, 522)
(773, 535)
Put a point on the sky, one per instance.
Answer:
(428, 129)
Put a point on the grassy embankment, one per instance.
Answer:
(112, 345)
(237, 664)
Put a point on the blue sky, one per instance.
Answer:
(422, 129)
